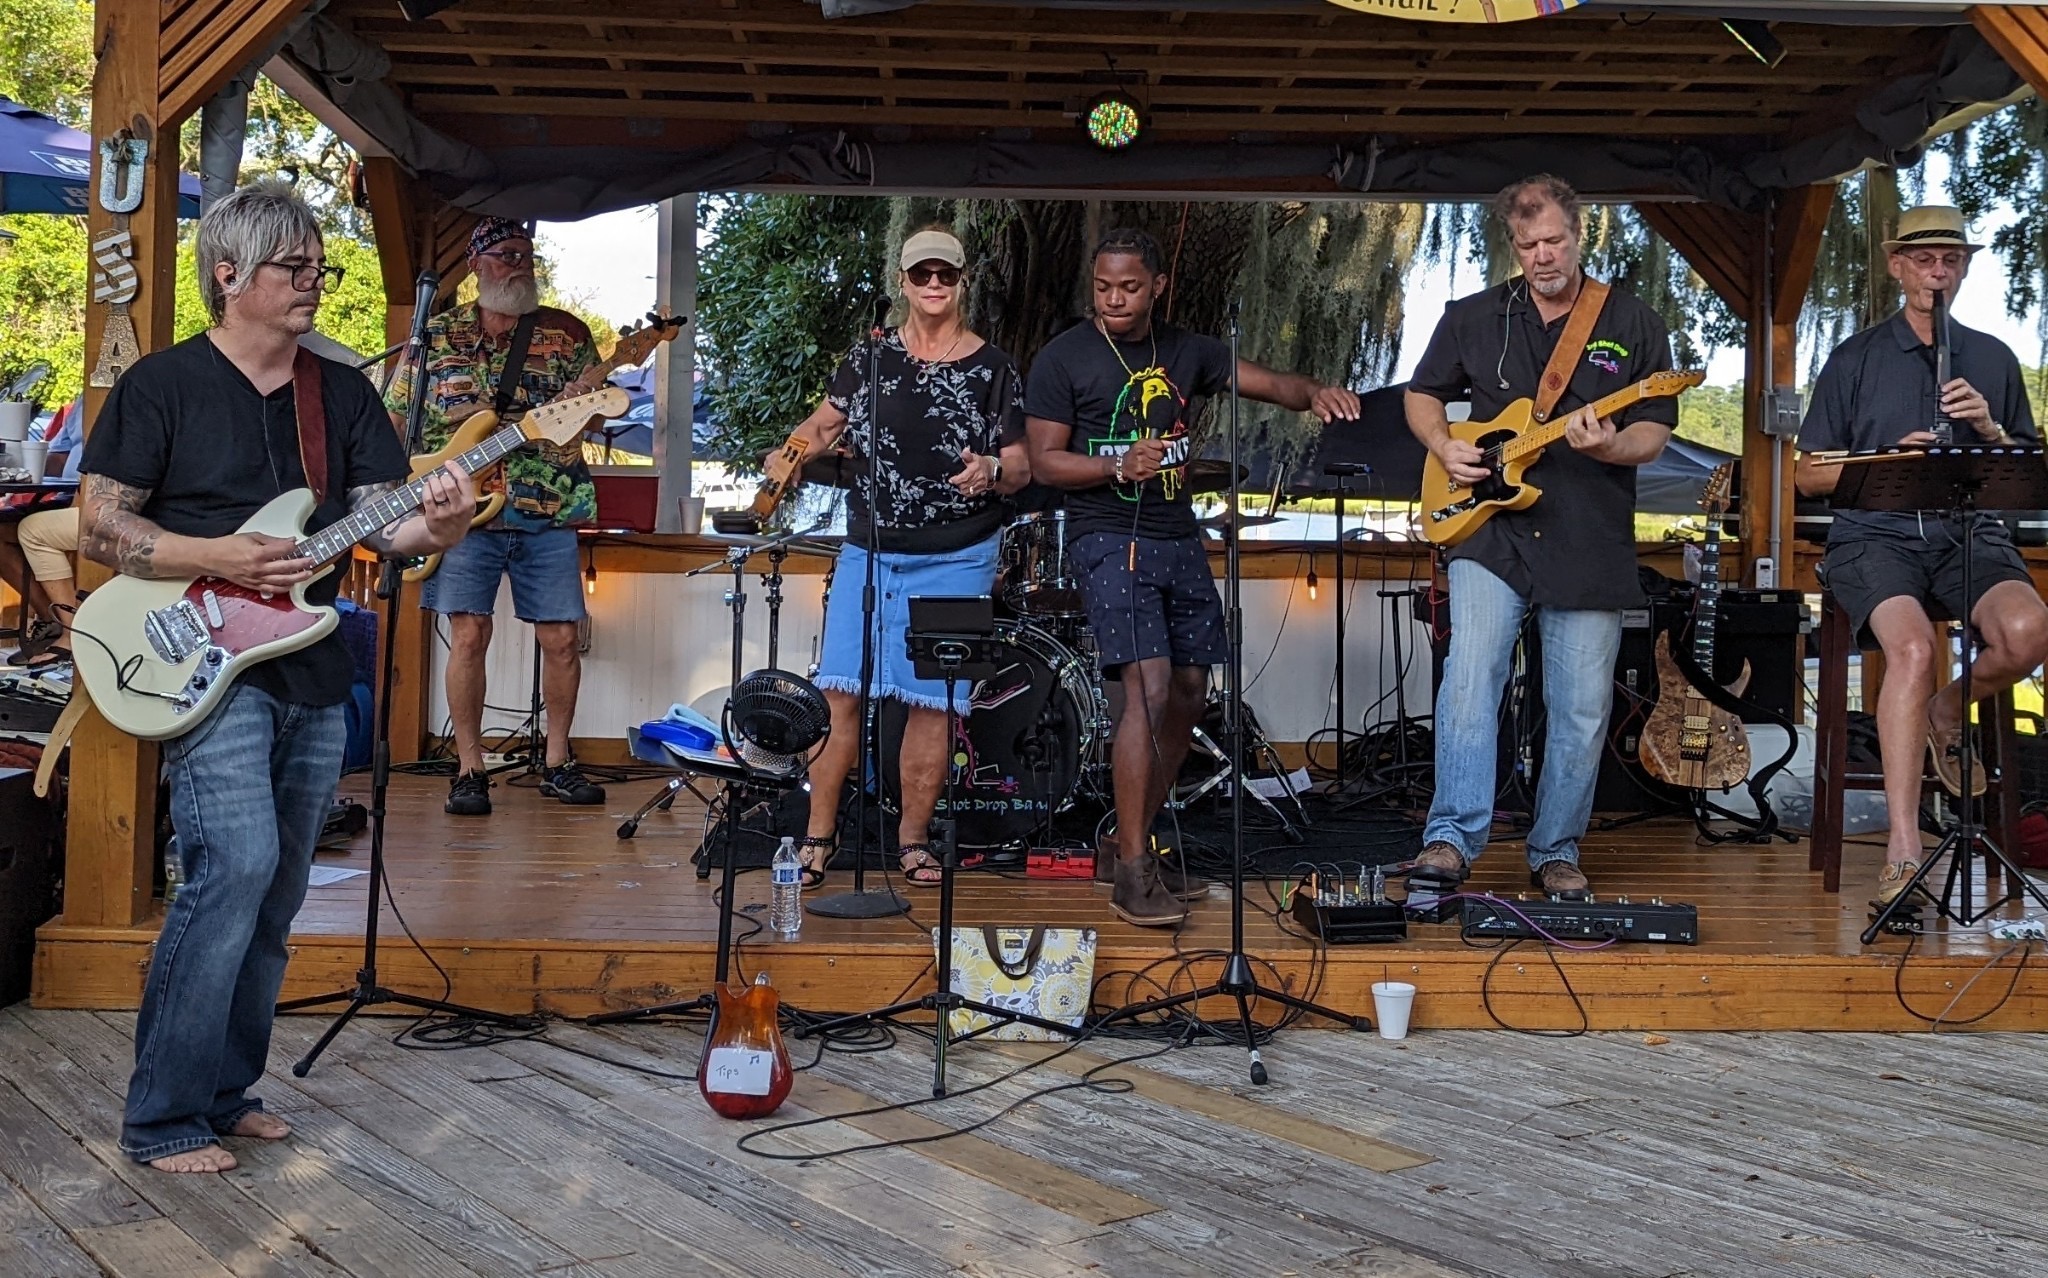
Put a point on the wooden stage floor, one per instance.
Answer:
(542, 907)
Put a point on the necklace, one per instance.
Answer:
(925, 366)
(1129, 372)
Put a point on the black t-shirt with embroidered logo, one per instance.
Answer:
(1576, 546)
(1114, 393)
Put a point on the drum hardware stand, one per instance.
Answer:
(1238, 980)
(1179, 799)
(1956, 478)
(861, 903)
(535, 762)
(368, 991)
(1402, 788)
(1342, 473)
(953, 657)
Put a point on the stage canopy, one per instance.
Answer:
(535, 108)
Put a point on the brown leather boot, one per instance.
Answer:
(1561, 879)
(1440, 861)
(1172, 870)
(1140, 897)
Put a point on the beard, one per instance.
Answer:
(515, 296)
(1552, 287)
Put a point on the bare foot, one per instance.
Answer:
(209, 1158)
(262, 1126)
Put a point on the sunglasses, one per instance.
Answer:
(922, 275)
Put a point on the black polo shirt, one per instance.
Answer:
(1576, 547)
(1878, 387)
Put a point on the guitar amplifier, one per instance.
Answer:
(1767, 628)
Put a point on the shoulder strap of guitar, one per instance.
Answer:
(515, 363)
(312, 414)
(1578, 330)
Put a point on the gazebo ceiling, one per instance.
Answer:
(1299, 70)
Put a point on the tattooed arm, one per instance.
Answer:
(443, 517)
(112, 532)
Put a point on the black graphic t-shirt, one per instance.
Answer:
(928, 413)
(1114, 393)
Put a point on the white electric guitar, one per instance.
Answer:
(158, 656)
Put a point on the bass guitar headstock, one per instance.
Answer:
(561, 422)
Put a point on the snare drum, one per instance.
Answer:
(1038, 580)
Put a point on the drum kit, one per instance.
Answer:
(1037, 741)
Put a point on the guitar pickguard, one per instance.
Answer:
(1493, 488)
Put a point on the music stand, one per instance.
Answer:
(1964, 482)
(951, 637)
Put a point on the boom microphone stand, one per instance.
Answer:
(1237, 979)
(367, 991)
(861, 903)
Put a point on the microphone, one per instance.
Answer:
(882, 304)
(422, 303)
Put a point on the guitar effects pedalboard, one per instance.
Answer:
(1655, 920)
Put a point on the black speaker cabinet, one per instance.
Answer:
(28, 878)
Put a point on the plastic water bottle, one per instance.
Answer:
(785, 901)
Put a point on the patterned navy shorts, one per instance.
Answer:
(1167, 607)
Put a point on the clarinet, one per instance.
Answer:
(1944, 425)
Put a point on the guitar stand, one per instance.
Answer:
(952, 655)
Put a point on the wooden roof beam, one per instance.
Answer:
(2020, 34)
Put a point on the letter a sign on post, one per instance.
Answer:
(1461, 10)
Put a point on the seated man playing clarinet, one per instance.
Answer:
(1878, 390)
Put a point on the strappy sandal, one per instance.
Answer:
(920, 868)
(812, 876)
(42, 637)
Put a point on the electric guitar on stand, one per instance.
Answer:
(634, 346)
(1690, 742)
(159, 656)
(1510, 444)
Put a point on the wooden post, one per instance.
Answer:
(675, 363)
(1800, 216)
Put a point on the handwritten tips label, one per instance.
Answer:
(739, 1071)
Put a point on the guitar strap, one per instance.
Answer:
(312, 414)
(515, 363)
(1578, 330)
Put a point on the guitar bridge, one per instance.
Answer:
(176, 632)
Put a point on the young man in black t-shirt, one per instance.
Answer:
(190, 443)
(1107, 409)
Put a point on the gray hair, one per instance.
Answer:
(1525, 198)
(250, 226)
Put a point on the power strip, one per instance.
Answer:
(2019, 930)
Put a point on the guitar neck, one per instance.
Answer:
(1709, 597)
(1553, 430)
(342, 536)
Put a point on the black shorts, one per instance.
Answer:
(1863, 573)
(1166, 607)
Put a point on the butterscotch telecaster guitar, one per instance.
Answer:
(158, 656)
(1510, 444)
(634, 346)
(1689, 741)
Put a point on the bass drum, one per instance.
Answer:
(1018, 754)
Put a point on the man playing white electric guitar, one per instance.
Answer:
(192, 441)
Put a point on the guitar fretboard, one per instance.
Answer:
(1553, 430)
(338, 538)
(1709, 596)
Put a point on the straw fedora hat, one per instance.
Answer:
(1931, 226)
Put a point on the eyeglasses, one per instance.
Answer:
(514, 258)
(922, 275)
(1927, 261)
(306, 274)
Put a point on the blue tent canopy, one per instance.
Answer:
(45, 167)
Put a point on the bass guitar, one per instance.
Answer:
(159, 656)
(634, 346)
(1690, 742)
(1509, 445)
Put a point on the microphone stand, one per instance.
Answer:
(1238, 980)
(367, 991)
(861, 903)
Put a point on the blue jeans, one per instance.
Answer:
(1579, 647)
(546, 570)
(250, 788)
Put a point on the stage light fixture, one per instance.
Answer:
(1112, 120)
(1756, 37)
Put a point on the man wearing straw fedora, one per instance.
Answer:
(1878, 391)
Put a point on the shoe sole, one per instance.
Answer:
(452, 811)
(1166, 920)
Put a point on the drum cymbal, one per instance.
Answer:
(1211, 475)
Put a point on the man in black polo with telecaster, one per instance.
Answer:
(1570, 557)
(1878, 391)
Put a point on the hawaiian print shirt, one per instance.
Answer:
(545, 486)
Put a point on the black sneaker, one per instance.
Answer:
(469, 794)
(565, 781)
